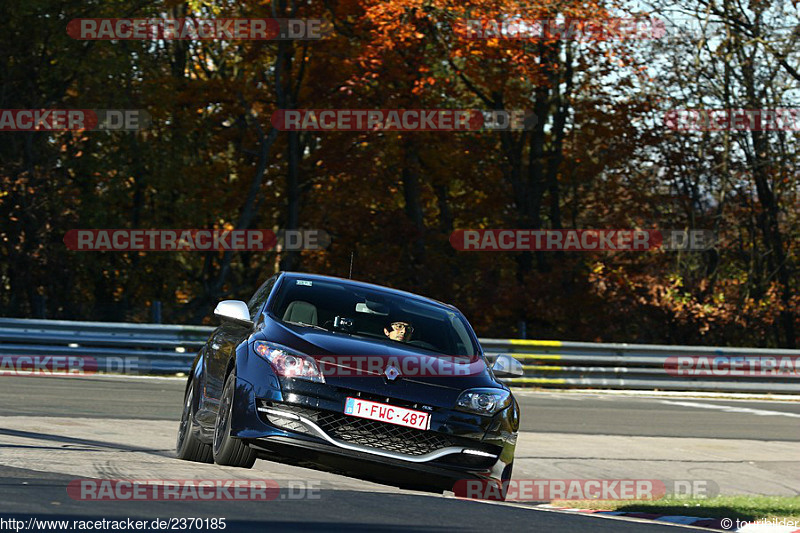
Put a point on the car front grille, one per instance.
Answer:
(370, 433)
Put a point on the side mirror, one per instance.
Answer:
(506, 366)
(235, 311)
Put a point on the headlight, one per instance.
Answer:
(483, 401)
(289, 363)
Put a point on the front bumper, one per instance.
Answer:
(374, 437)
(309, 417)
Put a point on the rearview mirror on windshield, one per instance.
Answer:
(372, 308)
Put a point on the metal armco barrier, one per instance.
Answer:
(634, 366)
(145, 348)
(161, 349)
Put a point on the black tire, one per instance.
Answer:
(505, 480)
(229, 451)
(188, 447)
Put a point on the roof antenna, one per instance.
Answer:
(351, 265)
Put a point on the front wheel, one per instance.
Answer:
(227, 450)
(505, 480)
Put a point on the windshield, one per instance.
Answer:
(372, 313)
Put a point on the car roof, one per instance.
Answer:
(364, 284)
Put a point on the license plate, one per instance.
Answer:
(387, 413)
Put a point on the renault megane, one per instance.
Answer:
(357, 377)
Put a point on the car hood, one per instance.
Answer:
(364, 364)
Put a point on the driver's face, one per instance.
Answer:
(400, 331)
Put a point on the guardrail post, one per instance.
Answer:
(39, 305)
(156, 311)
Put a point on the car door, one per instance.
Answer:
(224, 341)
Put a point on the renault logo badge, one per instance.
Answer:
(392, 373)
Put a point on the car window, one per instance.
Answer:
(260, 296)
(351, 310)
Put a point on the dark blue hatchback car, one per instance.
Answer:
(362, 379)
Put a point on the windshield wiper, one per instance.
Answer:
(305, 325)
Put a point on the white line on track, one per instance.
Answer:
(731, 409)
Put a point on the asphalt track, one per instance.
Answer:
(54, 430)
(580, 413)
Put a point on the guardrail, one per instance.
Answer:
(171, 348)
(641, 366)
(154, 348)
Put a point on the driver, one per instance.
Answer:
(399, 331)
